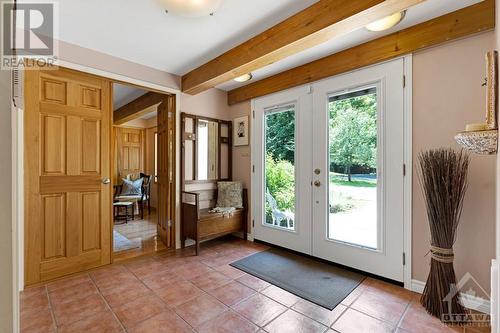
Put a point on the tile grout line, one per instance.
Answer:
(407, 308)
(51, 309)
(156, 295)
(107, 304)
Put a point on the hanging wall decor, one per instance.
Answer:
(241, 131)
(482, 138)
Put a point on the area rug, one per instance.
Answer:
(316, 281)
(122, 243)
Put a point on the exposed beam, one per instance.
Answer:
(138, 107)
(463, 22)
(314, 25)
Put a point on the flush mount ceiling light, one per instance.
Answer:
(244, 78)
(386, 22)
(191, 8)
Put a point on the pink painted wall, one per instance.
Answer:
(447, 94)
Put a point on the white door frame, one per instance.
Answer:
(408, 161)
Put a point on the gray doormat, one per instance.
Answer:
(316, 281)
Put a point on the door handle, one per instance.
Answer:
(106, 181)
(317, 183)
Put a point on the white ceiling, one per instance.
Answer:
(140, 31)
(415, 15)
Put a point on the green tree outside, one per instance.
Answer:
(353, 132)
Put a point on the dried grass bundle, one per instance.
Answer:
(443, 176)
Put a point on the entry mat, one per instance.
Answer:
(314, 280)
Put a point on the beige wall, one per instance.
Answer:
(242, 168)
(447, 94)
(6, 241)
(89, 58)
(211, 103)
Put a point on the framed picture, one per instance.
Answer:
(241, 131)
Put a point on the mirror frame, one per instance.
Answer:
(192, 137)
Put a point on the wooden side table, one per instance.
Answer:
(124, 205)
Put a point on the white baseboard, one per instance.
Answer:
(470, 302)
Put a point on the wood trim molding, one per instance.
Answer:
(470, 20)
(314, 25)
(133, 109)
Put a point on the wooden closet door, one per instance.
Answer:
(166, 171)
(130, 146)
(68, 195)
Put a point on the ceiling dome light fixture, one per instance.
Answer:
(386, 22)
(244, 78)
(191, 8)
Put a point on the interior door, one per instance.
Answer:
(282, 162)
(166, 171)
(358, 169)
(68, 194)
(130, 150)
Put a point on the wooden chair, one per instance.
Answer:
(200, 225)
(146, 190)
(142, 198)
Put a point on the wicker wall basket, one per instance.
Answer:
(479, 142)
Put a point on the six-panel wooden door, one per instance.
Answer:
(68, 195)
(130, 150)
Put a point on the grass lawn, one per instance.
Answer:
(340, 179)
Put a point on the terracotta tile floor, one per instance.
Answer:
(179, 292)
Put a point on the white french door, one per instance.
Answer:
(328, 177)
(359, 223)
(281, 182)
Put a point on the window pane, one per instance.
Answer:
(280, 167)
(353, 168)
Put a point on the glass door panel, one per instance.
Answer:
(280, 167)
(352, 186)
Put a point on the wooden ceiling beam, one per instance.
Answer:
(470, 20)
(314, 25)
(137, 108)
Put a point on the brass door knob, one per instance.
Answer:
(317, 183)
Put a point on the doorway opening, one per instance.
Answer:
(136, 172)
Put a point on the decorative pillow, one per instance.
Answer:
(230, 194)
(134, 176)
(132, 187)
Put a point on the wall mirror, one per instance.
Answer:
(206, 149)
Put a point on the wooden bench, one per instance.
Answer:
(199, 224)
